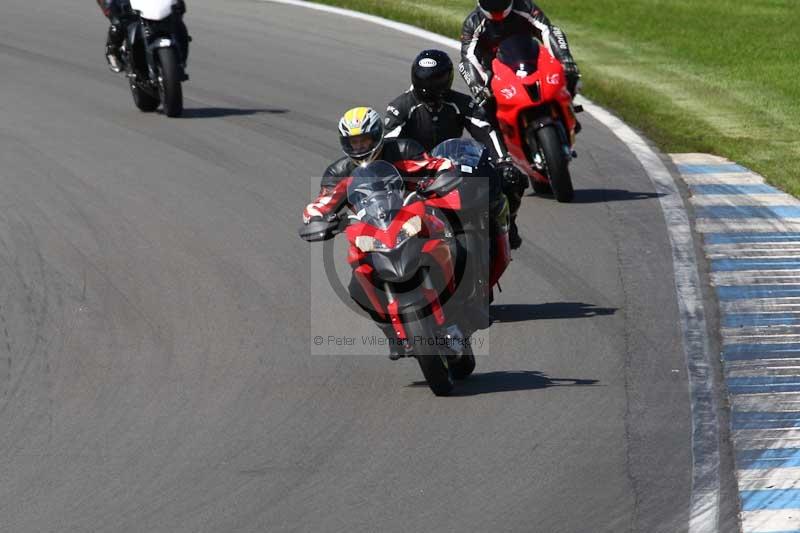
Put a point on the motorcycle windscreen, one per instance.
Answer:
(153, 9)
(521, 54)
(479, 180)
(376, 193)
(465, 152)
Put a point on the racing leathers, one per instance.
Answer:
(409, 118)
(407, 155)
(481, 37)
(431, 124)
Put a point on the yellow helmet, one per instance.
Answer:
(361, 134)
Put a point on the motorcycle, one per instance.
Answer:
(154, 56)
(420, 260)
(536, 115)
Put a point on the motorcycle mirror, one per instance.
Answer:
(444, 184)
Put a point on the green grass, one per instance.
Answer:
(716, 76)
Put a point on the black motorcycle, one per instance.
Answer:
(154, 55)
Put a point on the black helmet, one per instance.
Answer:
(496, 10)
(432, 75)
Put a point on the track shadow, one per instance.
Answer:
(514, 381)
(218, 112)
(599, 196)
(548, 311)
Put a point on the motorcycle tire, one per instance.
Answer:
(144, 101)
(432, 359)
(170, 83)
(465, 365)
(549, 142)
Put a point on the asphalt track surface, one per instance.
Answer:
(155, 309)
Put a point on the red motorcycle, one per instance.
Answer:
(535, 112)
(420, 260)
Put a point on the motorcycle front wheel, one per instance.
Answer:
(170, 82)
(465, 365)
(549, 142)
(430, 356)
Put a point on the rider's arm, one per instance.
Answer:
(471, 67)
(332, 196)
(553, 38)
(480, 126)
(416, 162)
(396, 117)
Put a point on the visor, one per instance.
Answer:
(497, 15)
(359, 146)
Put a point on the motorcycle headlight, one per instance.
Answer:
(411, 228)
(370, 244)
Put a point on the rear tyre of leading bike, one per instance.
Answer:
(143, 100)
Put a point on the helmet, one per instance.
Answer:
(432, 75)
(361, 134)
(496, 10)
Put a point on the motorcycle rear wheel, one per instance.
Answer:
(143, 100)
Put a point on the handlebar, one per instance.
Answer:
(323, 229)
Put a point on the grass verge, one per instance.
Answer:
(716, 76)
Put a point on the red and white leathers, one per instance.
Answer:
(407, 155)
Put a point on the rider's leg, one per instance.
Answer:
(116, 35)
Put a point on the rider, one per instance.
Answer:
(362, 136)
(120, 15)
(432, 112)
(492, 22)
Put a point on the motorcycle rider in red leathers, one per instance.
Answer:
(361, 133)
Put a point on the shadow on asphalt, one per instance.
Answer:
(494, 382)
(599, 196)
(547, 311)
(218, 112)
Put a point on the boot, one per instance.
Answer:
(114, 59)
(113, 46)
(513, 234)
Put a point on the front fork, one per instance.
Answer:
(136, 33)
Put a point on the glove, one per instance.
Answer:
(423, 184)
(573, 75)
(511, 176)
(483, 97)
